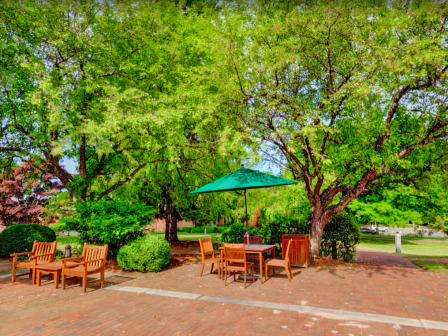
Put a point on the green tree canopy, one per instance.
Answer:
(347, 97)
(115, 85)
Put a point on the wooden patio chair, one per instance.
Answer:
(93, 260)
(41, 253)
(279, 263)
(208, 255)
(236, 261)
(254, 240)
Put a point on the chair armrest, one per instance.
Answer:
(90, 261)
(41, 255)
(20, 254)
(72, 258)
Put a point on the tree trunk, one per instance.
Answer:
(316, 230)
(83, 168)
(171, 220)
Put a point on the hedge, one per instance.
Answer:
(151, 253)
(20, 237)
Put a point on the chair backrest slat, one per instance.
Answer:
(287, 252)
(93, 252)
(255, 240)
(44, 248)
(235, 253)
(206, 246)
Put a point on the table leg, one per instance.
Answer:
(273, 253)
(222, 265)
(260, 255)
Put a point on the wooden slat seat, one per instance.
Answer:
(93, 260)
(41, 253)
(275, 262)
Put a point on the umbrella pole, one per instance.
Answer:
(247, 221)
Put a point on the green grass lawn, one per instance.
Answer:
(432, 266)
(65, 240)
(365, 235)
(408, 248)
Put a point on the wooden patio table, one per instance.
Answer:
(54, 268)
(253, 249)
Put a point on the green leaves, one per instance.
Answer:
(114, 222)
(145, 254)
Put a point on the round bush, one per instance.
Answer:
(235, 233)
(20, 237)
(343, 228)
(145, 254)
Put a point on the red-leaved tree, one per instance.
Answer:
(24, 193)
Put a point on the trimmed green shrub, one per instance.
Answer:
(273, 229)
(20, 237)
(343, 228)
(145, 254)
(221, 228)
(186, 229)
(235, 233)
(115, 222)
(210, 229)
(216, 241)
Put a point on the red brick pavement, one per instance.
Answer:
(383, 284)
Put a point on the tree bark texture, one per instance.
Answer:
(171, 219)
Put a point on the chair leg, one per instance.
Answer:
(56, 280)
(202, 268)
(63, 281)
(273, 271)
(234, 279)
(84, 285)
(39, 278)
(225, 280)
(290, 272)
(265, 272)
(245, 277)
(211, 271)
(219, 269)
(253, 273)
(287, 273)
(13, 279)
(102, 279)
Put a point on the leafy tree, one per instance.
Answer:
(113, 222)
(167, 188)
(421, 202)
(24, 193)
(347, 97)
(115, 85)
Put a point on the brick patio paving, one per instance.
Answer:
(380, 283)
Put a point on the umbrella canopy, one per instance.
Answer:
(243, 179)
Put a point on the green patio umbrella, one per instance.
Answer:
(243, 179)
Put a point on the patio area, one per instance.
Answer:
(379, 294)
